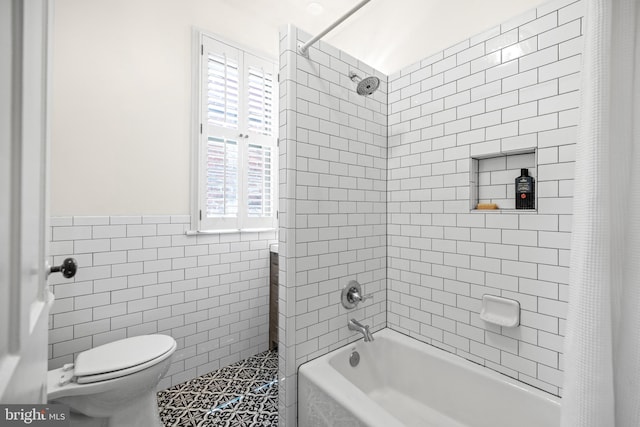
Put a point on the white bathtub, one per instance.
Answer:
(403, 382)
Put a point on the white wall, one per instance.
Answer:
(121, 82)
(333, 163)
(514, 87)
(121, 100)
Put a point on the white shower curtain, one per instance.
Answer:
(602, 344)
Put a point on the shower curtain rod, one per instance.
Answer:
(302, 48)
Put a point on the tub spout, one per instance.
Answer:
(354, 325)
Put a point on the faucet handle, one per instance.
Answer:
(355, 296)
(366, 297)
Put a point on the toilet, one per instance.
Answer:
(114, 385)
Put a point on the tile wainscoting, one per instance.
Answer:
(143, 275)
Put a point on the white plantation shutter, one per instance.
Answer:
(237, 144)
(223, 91)
(259, 203)
(222, 178)
(260, 109)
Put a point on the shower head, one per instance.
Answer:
(366, 86)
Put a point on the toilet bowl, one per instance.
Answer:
(113, 385)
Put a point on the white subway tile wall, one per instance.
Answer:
(514, 88)
(142, 275)
(333, 157)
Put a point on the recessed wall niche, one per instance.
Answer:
(492, 178)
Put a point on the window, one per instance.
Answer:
(236, 139)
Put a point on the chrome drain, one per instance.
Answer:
(354, 359)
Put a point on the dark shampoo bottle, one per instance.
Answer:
(525, 191)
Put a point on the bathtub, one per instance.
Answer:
(403, 382)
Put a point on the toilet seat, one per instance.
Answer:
(121, 358)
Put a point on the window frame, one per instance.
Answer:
(201, 130)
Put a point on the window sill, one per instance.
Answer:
(228, 231)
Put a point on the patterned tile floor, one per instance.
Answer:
(244, 394)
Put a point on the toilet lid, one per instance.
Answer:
(122, 354)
